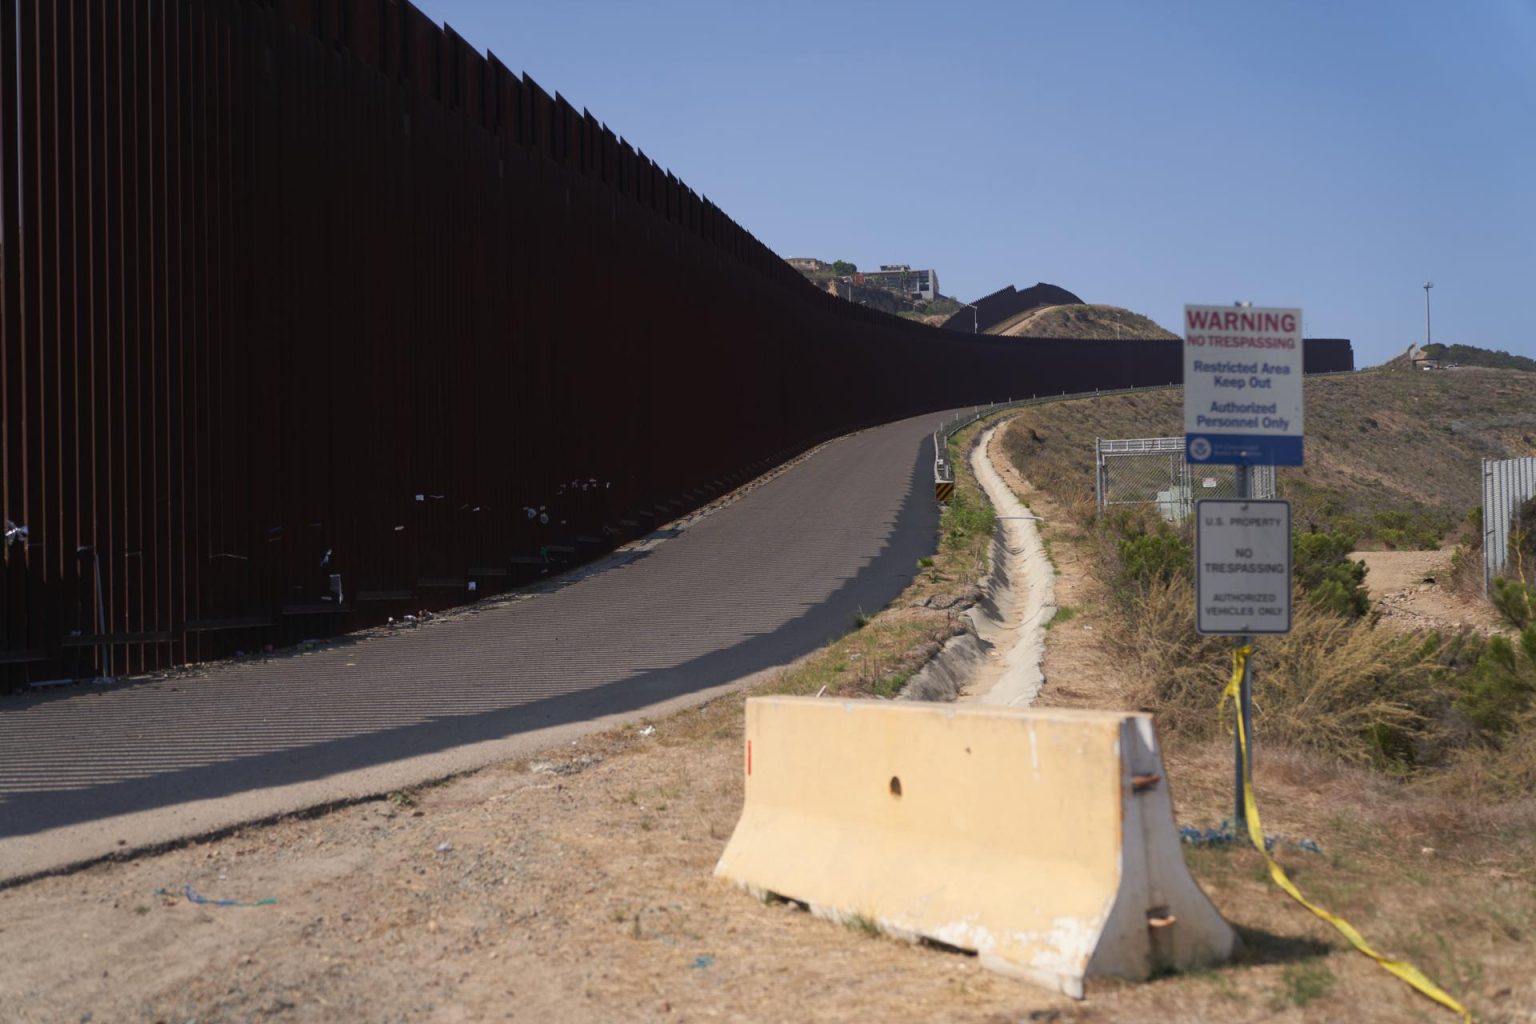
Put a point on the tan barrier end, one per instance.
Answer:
(1041, 839)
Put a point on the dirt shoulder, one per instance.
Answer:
(578, 886)
(573, 887)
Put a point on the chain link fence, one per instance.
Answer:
(1507, 484)
(1152, 471)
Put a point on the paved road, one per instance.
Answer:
(86, 772)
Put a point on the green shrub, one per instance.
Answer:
(1427, 535)
(1415, 527)
(1516, 601)
(1064, 613)
(968, 515)
(1159, 556)
(1321, 565)
(1496, 680)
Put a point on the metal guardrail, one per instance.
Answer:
(944, 471)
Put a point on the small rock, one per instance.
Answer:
(1428, 851)
(571, 767)
(445, 847)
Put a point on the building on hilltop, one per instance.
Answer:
(899, 286)
(902, 279)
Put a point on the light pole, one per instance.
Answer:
(973, 317)
(1427, 286)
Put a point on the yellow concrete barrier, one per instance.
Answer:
(1041, 839)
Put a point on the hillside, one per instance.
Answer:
(1081, 320)
(1395, 727)
(1393, 454)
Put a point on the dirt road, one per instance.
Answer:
(1412, 590)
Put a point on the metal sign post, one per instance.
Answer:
(1242, 771)
(1243, 585)
(1243, 407)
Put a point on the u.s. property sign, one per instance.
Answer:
(1242, 386)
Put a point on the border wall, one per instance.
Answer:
(304, 305)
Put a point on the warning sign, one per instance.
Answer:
(1243, 566)
(1242, 386)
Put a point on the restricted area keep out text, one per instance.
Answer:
(1242, 385)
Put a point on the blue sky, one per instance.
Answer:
(1331, 156)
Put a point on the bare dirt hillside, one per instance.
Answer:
(1084, 320)
(1394, 455)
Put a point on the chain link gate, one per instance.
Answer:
(1153, 471)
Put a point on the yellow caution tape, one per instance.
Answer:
(1406, 971)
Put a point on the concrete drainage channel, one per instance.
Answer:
(996, 661)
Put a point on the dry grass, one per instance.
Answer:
(1441, 881)
(1432, 865)
(1331, 685)
(1505, 772)
(1381, 445)
(875, 660)
(1331, 681)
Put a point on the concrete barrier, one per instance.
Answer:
(1041, 839)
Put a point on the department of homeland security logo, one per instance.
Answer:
(1200, 449)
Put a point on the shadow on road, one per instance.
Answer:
(875, 585)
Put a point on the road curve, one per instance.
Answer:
(88, 772)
